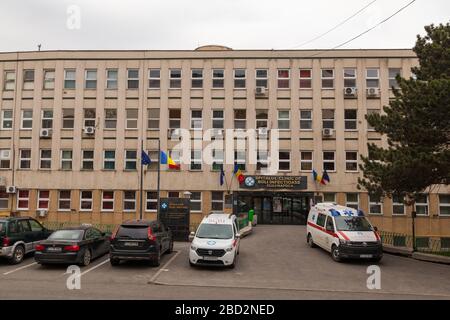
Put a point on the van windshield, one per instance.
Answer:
(352, 224)
(2, 227)
(215, 231)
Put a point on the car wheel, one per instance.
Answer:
(310, 241)
(114, 262)
(157, 261)
(170, 247)
(191, 264)
(231, 266)
(18, 255)
(335, 255)
(86, 260)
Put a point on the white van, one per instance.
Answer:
(344, 232)
(216, 242)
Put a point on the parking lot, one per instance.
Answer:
(274, 263)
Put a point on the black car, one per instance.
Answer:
(19, 236)
(140, 240)
(76, 245)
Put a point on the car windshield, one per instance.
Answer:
(352, 224)
(215, 231)
(2, 227)
(66, 235)
(134, 232)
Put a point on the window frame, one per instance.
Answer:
(324, 161)
(327, 78)
(112, 80)
(197, 80)
(87, 79)
(377, 78)
(174, 81)
(288, 161)
(281, 120)
(22, 198)
(66, 119)
(67, 78)
(8, 81)
(129, 200)
(238, 79)
(24, 159)
(69, 199)
(127, 160)
(86, 200)
(351, 161)
(281, 79)
(130, 120)
(45, 119)
(87, 160)
(262, 79)
(353, 79)
(217, 80)
(66, 160)
(9, 120)
(109, 160)
(131, 80)
(217, 201)
(152, 80)
(41, 198)
(107, 200)
(41, 159)
(306, 161)
(23, 119)
(28, 81)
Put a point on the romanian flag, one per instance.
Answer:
(165, 159)
(238, 173)
(316, 177)
(325, 178)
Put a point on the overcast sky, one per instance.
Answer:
(186, 24)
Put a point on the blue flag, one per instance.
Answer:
(222, 176)
(145, 159)
(163, 157)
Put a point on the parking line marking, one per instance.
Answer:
(18, 269)
(164, 267)
(95, 267)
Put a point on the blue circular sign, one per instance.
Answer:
(164, 205)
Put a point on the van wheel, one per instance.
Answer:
(18, 255)
(310, 241)
(335, 255)
(231, 266)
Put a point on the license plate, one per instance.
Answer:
(366, 256)
(210, 258)
(54, 249)
(131, 244)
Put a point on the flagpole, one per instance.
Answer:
(142, 182)
(159, 179)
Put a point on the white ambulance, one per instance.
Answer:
(216, 242)
(344, 232)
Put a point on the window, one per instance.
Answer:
(196, 201)
(110, 118)
(375, 206)
(25, 159)
(284, 160)
(239, 159)
(87, 161)
(90, 79)
(421, 205)
(68, 118)
(327, 79)
(216, 200)
(151, 201)
(321, 219)
(350, 77)
(154, 157)
(262, 160)
(197, 78)
(109, 160)
(47, 119)
(261, 78)
(174, 118)
(111, 79)
(154, 78)
(132, 119)
(329, 161)
(43, 199)
(283, 119)
(305, 119)
(129, 201)
(239, 78)
(305, 78)
(64, 200)
(329, 197)
(306, 160)
(262, 118)
(130, 159)
(133, 79)
(173, 194)
(283, 77)
(4, 199)
(175, 78)
(49, 79)
(5, 158)
(7, 119)
(153, 119)
(66, 159)
(196, 160)
(69, 78)
(10, 80)
(328, 119)
(28, 79)
(196, 119)
(444, 204)
(240, 116)
(89, 117)
(352, 200)
(86, 200)
(46, 159)
(27, 119)
(372, 111)
(351, 161)
(218, 76)
(107, 200)
(23, 199)
(217, 119)
(393, 73)
(372, 78)
(217, 156)
(398, 207)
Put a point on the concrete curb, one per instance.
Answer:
(246, 231)
(402, 251)
(431, 257)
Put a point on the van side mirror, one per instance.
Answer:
(191, 236)
(375, 229)
(238, 235)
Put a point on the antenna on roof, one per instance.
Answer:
(39, 47)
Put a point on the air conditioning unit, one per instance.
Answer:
(373, 92)
(327, 132)
(350, 91)
(263, 131)
(89, 130)
(175, 133)
(45, 133)
(11, 189)
(42, 212)
(5, 154)
(260, 91)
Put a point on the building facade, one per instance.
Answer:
(72, 124)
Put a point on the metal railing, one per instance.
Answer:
(424, 244)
